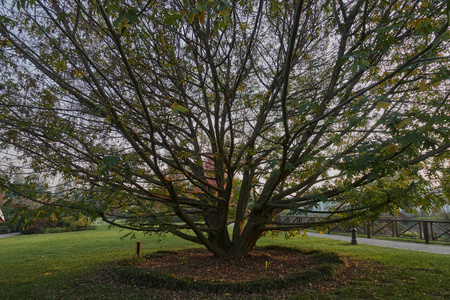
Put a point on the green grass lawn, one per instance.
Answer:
(68, 266)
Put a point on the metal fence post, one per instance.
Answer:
(354, 238)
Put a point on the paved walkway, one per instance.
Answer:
(430, 248)
(8, 234)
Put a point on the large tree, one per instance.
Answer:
(188, 116)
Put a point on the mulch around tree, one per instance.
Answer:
(273, 263)
(202, 265)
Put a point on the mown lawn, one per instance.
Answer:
(71, 266)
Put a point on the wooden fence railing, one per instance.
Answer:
(428, 230)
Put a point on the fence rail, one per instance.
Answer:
(428, 230)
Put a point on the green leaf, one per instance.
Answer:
(276, 7)
(172, 19)
(177, 108)
(443, 38)
(119, 19)
(289, 167)
(435, 120)
(223, 5)
(448, 11)
(413, 137)
(191, 18)
(132, 16)
(6, 20)
(110, 161)
(321, 197)
(127, 171)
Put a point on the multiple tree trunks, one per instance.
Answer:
(185, 117)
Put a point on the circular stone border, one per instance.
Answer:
(329, 265)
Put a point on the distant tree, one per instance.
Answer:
(159, 109)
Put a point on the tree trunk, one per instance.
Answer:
(245, 244)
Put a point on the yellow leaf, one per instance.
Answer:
(61, 66)
(3, 43)
(411, 24)
(46, 274)
(123, 27)
(404, 123)
(224, 12)
(422, 85)
(191, 18)
(396, 211)
(78, 73)
(383, 105)
(201, 17)
(389, 149)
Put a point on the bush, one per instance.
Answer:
(14, 227)
(4, 228)
(444, 216)
(38, 227)
(9, 212)
(74, 223)
(65, 224)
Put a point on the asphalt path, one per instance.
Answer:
(8, 235)
(430, 248)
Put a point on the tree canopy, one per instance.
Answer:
(187, 116)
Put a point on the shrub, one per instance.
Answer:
(65, 224)
(74, 223)
(4, 228)
(9, 212)
(38, 227)
(444, 216)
